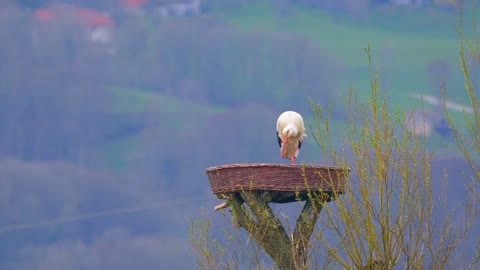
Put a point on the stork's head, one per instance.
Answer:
(290, 131)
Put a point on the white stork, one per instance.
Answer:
(290, 134)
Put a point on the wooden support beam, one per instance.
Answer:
(260, 222)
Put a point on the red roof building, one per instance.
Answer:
(90, 17)
(90, 24)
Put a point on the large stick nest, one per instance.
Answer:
(281, 183)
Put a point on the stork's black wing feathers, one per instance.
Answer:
(279, 140)
(299, 144)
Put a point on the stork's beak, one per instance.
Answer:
(284, 142)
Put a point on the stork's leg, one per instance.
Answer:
(292, 158)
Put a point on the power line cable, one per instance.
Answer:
(112, 212)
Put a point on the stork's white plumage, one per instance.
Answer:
(290, 134)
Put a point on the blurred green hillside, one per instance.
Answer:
(405, 42)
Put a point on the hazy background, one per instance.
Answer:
(110, 111)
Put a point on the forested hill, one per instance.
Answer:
(109, 112)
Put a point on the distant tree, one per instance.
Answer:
(235, 68)
(53, 97)
(130, 65)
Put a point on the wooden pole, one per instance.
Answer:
(266, 228)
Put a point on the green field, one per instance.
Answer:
(402, 47)
(138, 100)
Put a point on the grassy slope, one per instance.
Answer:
(138, 100)
(402, 47)
(126, 100)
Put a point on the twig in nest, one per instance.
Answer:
(221, 206)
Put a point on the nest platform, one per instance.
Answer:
(281, 183)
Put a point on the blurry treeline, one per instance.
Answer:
(57, 94)
(87, 128)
